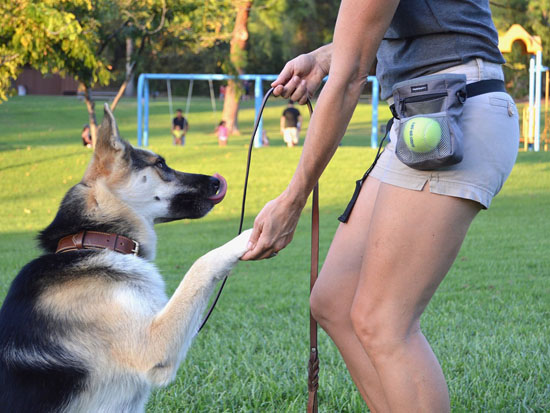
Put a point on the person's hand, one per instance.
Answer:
(273, 228)
(302, 76)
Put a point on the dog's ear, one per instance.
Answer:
(109, 150)
(108, 138)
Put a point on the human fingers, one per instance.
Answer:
(292, 74)
(300, 94)
(285, 75)
(290, 87)
(252, 242)
(265, 248)
(260, 252)
(265, 240)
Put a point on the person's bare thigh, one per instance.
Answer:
(413, 239)
(339, 276)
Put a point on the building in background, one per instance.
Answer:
(32, 82)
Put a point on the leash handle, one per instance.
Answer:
(313, 364)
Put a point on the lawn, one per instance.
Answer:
(488, 322)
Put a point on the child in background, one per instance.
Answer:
(86, 136)
(178, 136)
(221, 129)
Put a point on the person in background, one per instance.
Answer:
(221, 130)
(86, 136)
(291, 122)
(179, 129)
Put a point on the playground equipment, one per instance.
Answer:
(143, 100)
(531, 115)
(189, 94)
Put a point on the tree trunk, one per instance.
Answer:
(231, 107)
(90, 106)
(129, 67)
(237, 57)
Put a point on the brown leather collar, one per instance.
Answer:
(98, 240)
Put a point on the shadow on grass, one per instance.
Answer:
(34, 162)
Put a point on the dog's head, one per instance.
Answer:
(143, 181)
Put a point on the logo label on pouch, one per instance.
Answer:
(419, 88)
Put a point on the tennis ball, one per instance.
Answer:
(422, 134)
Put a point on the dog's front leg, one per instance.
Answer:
(174, 327)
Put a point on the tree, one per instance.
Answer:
(237, 63)
(48, 36)
(84, 38)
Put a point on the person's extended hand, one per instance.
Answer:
(302, 76)
(273, 228)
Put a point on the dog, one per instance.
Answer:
(87, 326)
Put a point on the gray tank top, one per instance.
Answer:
(426, 36)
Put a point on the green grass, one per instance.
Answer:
(488, 322)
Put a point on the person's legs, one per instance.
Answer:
(294, 133)
(333, 294)
(287, 137)
(413, 239)
(388, 260)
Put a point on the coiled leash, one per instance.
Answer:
(313, 364)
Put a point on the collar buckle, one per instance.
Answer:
(136, 248)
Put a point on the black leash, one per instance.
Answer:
(248, 160)
(313, 363)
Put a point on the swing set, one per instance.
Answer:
(143, 100)
(189, 94)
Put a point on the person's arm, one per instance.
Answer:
(282, 124)
(360, 27)
(299, 122)
(185, 126)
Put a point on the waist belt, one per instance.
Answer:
(484, 86)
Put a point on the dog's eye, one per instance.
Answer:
(161, 164)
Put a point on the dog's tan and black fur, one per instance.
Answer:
(91, 330)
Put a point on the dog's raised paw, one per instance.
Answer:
(239, 244)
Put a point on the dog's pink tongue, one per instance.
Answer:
(216, 199)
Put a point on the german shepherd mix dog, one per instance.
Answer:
(87, 327)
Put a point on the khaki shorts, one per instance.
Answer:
(491, 141)
(290, 136)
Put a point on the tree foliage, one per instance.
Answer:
(87, 39)
(52, 36)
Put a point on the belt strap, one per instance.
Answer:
(484, 86)
(98, 240)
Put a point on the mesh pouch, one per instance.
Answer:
(428, 111)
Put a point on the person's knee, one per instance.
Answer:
(326, 308)
(316, 303)
(379, 332)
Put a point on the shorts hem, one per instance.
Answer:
(437, 185)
